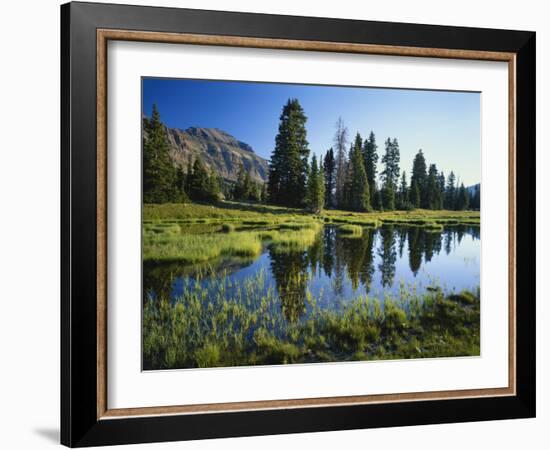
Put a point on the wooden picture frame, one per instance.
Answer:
(86, 418)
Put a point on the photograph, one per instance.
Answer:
(296, 224)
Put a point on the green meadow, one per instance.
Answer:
(172, 232)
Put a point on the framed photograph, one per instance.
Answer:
(276, 224)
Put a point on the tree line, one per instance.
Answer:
(347, 178)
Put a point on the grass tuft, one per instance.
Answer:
(352, 231)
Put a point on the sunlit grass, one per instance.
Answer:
(167, 243)
(220, 324)
(264, 215)
(351, 231)
(191, 248)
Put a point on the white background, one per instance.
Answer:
(29, 229)
(129, 387)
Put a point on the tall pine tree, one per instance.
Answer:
(198, 183)
(245, 188)
(390, 174)
(418, 180)
(160, 181)
(329, 169)
(462, 200)
(370, 155)
(403, 193)
(340, 143)
(289, 161)
(450, 192)
(315, 198)
(441, 190)
(433, 200)
(357, 186)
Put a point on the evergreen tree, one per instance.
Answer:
(315, 187)
(441, 190)
(357, 186)
(370, 155)
(345, 202)
(180, 178)
(329, 169)
(213, 191)
(289, 161)
(201, 185)
(378, 202)
(432, 188)
(475, 197)
(160, 183)
(340, 142)
(462, 198)
(390, 174)
(265, 197)
(388, 196)
(391, 162)
(189, 172)
(418, 181)
(256, 194)
(180, 185)
(198, 182)
(403, 194)
(450, 192)
(247, 187)
(240, 188)
(414, 195)
(321, 187)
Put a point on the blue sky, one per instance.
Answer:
(445, 125)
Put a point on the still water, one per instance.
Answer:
(388, 261)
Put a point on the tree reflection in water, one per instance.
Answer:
(332, 256)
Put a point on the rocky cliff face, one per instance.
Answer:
(218, 151)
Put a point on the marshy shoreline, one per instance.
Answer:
(215, 320)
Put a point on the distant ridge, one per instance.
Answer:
(217, 149)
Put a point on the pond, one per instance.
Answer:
(281, 291)
(382, 261)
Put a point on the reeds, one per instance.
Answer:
(216, 323)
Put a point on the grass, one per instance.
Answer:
(172, 245)
(164, 228)
(354, 220)
(298, 225)
(193, 248)
(187, 232)
(212, 326)
(293, 240)
(433, 227)
(349, 230)
(254, 214)
(419, 217)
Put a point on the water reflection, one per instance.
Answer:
(336, 269)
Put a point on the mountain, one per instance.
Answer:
(471, 189)
(217, 149)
